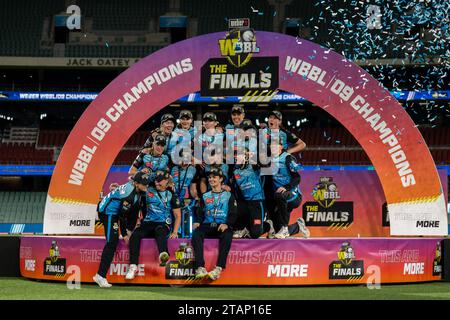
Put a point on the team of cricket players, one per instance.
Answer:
(237, 181)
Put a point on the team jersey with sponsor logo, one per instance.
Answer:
(160, 205)
(232, 135)
(286, 172)
(247, 182)
(287, 138)
(216, 206)
(206, 140)
(181, 137)
(182, 179)
(119, 199)
(239, 139)
(155, 163)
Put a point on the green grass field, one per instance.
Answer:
(20, 288)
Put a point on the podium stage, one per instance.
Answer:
(316, 261)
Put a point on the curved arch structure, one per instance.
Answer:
(385, 131)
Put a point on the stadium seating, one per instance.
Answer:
(20, 135)
(22, 207)
(12, 153)
(210, 13)
(52, 138)
(327, 137)
(120, 15)
(24, 32)
(324, 146)
(22, 28)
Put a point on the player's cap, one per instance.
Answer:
(277, 114)
(167, 117)
(148, 143)
(160, 139)
(247, 124)
(210, 116)
(186, 114)
(237, 109)
(141, 177)
(161, 175)
(216, 172)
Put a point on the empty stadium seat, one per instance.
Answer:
(17, 154)
(324, 146)
(22, 207)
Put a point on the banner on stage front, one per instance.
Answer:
(250, 262)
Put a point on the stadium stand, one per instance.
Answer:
(28, 32)
(12, 153)
(22, 207)
(22, 29)
(20, 135)
(135, 17)
(52, 138)
(210, 13)
(325, 146)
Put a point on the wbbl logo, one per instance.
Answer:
(346, 267)
(183, 267)
(326, 210)
(239, 43)
(237, 72)
(54, 265)
(437, 265)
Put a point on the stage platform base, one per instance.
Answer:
(316, 261)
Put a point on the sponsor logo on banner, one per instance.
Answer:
(238, 73)
(54, 265)
(326, 210)
(287, 270)
(121, 269)
(80, 223)
(347, 267)
(437, 264)
(183, 266)
(414, 268)
(30, 265)
(427, 224)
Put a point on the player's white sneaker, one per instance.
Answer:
(102, 282)
(131, 272)
(200, 272)
(271, 233)
(163, 258)
(244, 233)
(282, 234)
(302, 227)
(215, 273)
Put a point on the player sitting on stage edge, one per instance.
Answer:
(214, 218)
(161, 203)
